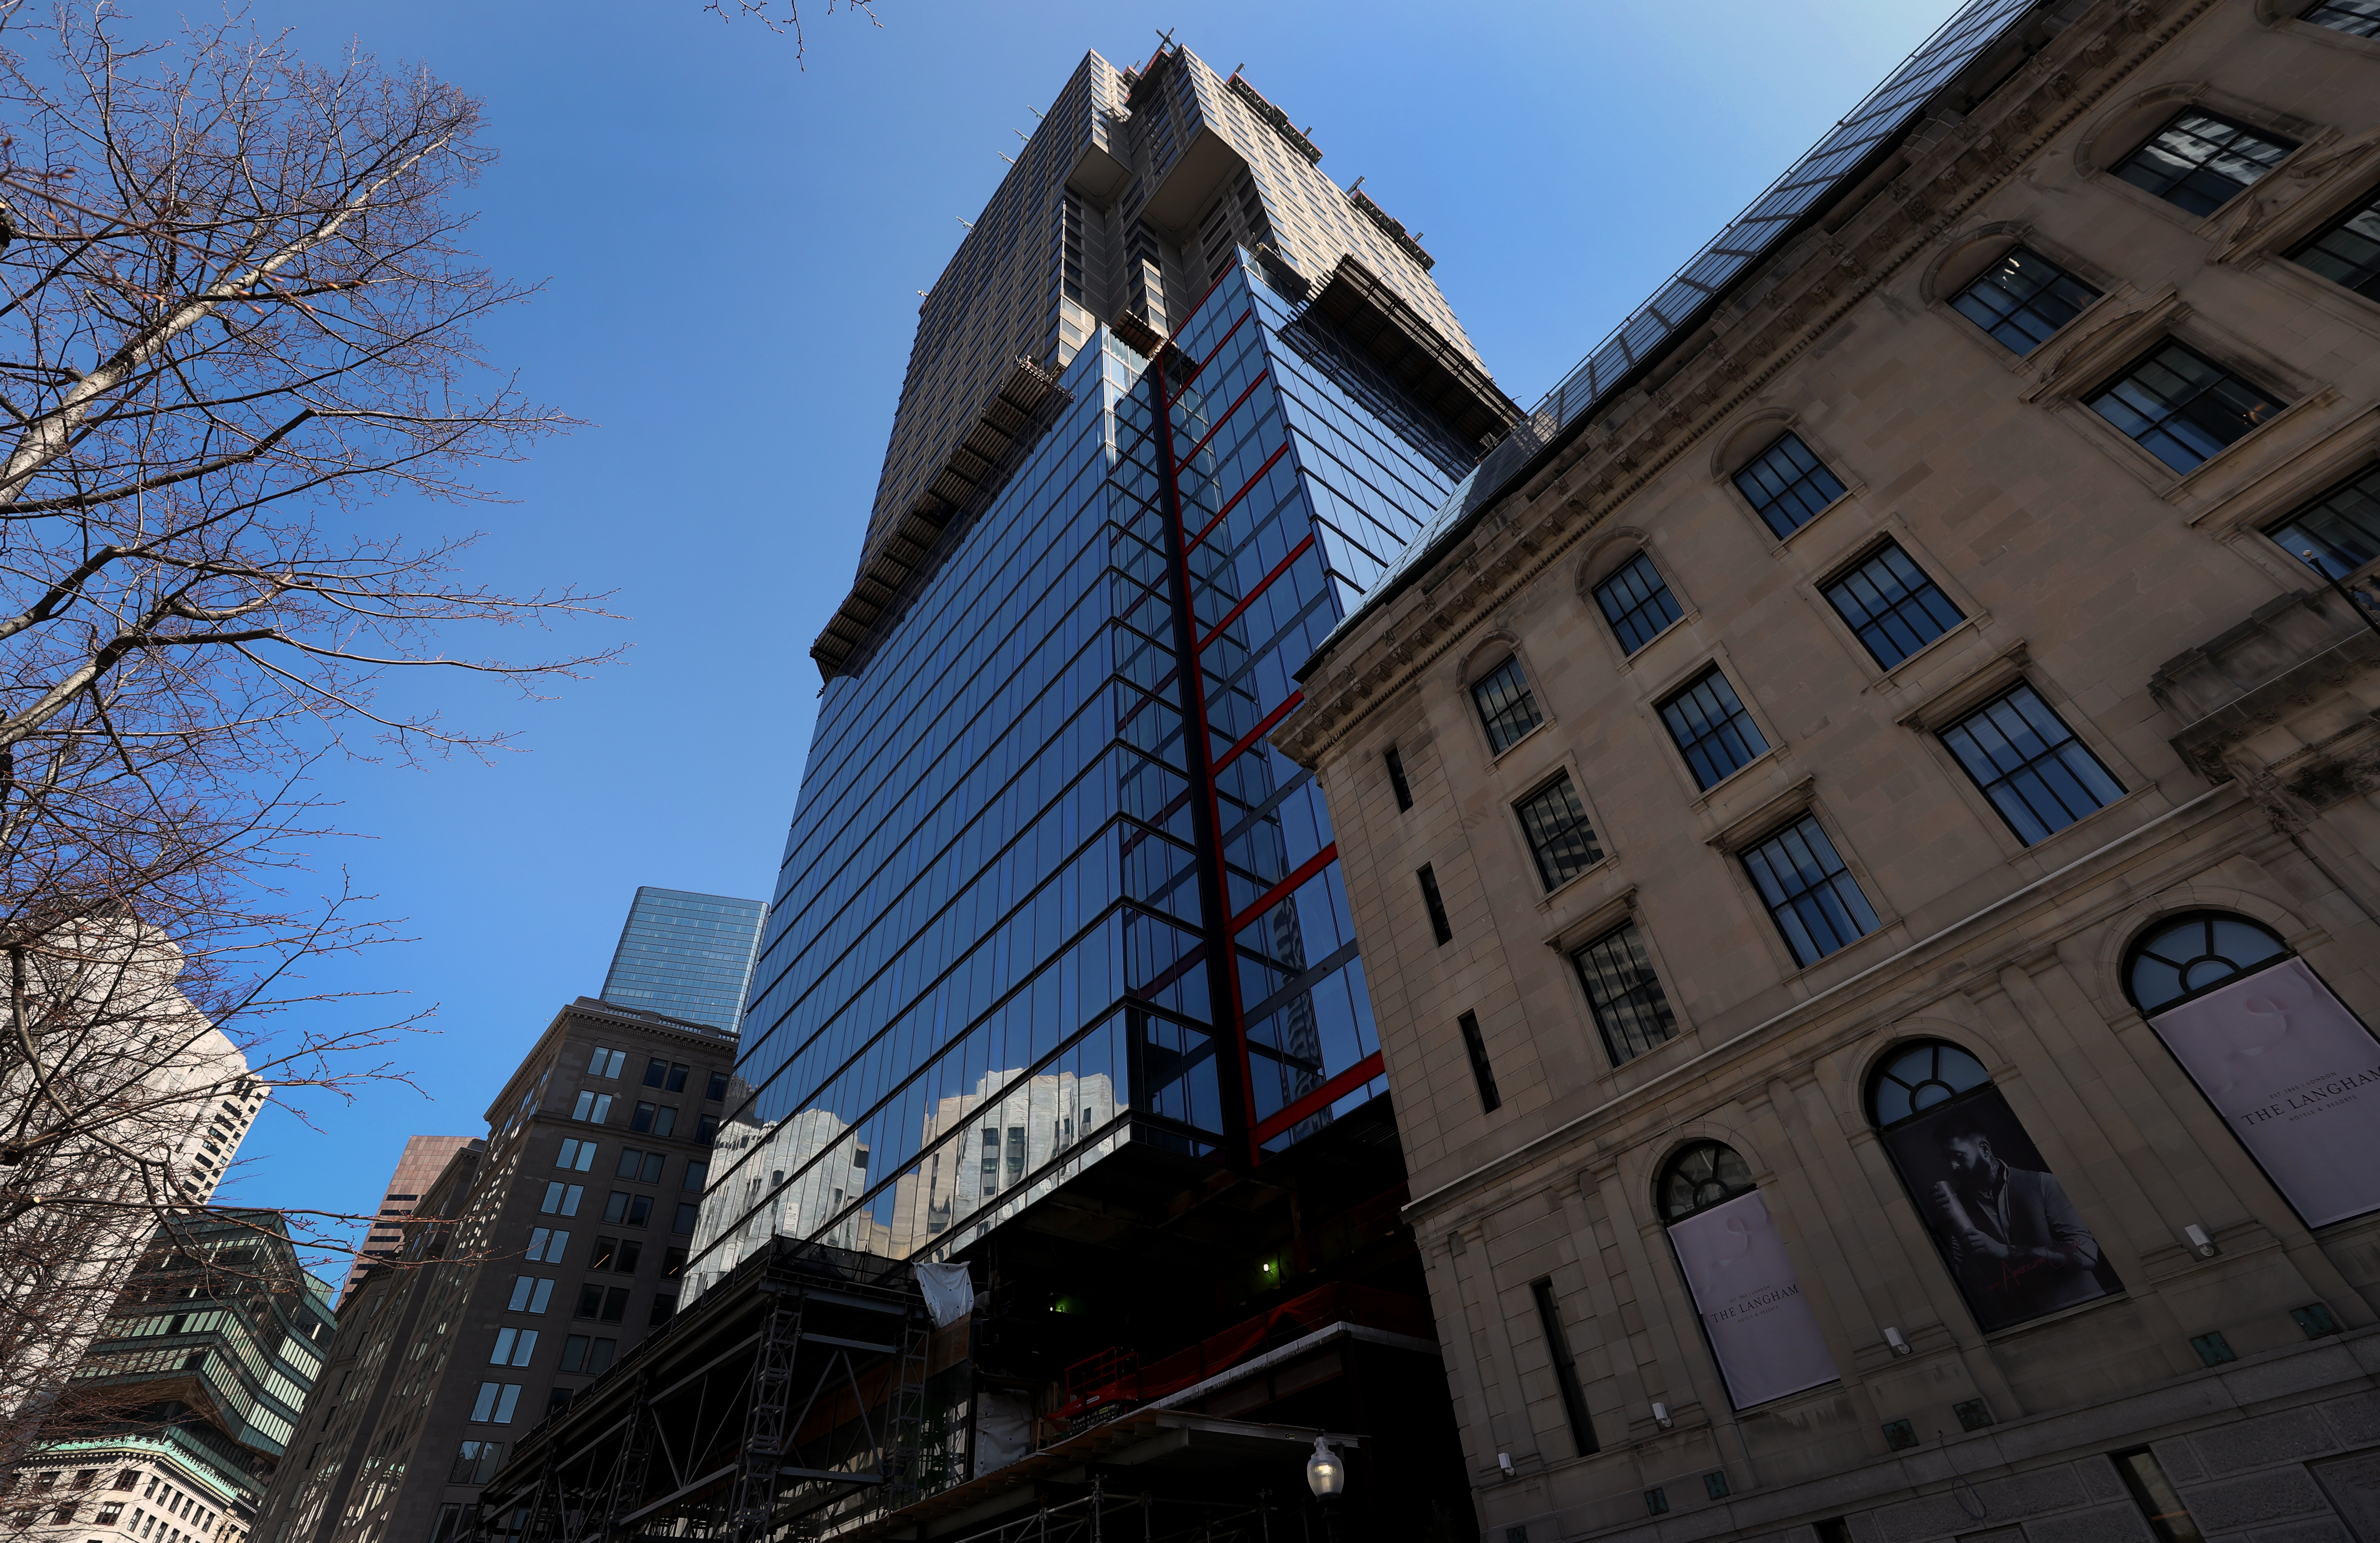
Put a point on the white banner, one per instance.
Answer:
(1760, 1324)
(2297, 1076)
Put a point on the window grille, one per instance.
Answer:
(1787, 485)
(1474, 1044)
(2030, 765)
(1892, 605)
(1559, 834)
(2200, 161)
(1396, 783)
(2181, 407)
(1565, 1364)
(1637, 604)
(1631, 1012)
(1506, 706)
(2340, 529)
(2022, 299)
(1809, 893)
(1439, 927)
(2347, 251)
(1713, 731)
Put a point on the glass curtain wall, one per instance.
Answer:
(992, 957)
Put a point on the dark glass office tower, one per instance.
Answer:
(1050, 896)
(687, 955)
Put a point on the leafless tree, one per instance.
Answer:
(766, 13)
(236, 322)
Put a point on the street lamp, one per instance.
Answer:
(1325, 1475)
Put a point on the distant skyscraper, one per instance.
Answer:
(687, 955)
(424, 1159)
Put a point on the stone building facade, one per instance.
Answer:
(1864, 841)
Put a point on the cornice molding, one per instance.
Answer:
(1536, 527)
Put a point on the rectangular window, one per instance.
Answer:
(2153, 1493)
(547, 1245)
(2022, 299)
(2030, 765)
(706, 1128)
(593, 1107)
(627, 1209)
(1582, 1429)
(574, 1353)
(530, 1294)
(2339, 531)
(697, 1174)
(684, 1224)
(656, 1072)
(1442, 929)
(1560, 838)
(1637, 604)
(2347, 250)
(605, 1062)
(646, 1167)
(1809, 893)
(579, 1155)
(2200, 161)
(605, 1250)
(673, 1264)
(562, 1199)
(2360, 18)
(557, 1399)
(1892, 605)
(495, 1404)
(663, 1309)
(1787, 485)
(1713, 731)
(616, 1304)
(677, 1073)
(1507, 708)
(455, 1523)
(1475, 1045)
(1631, 1012)
(2181, 407)
(718, 1088)
(514, 1347)
(643, 1119)
(1396, 783)
(591, 1301)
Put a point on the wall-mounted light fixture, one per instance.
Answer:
(1893, 1337)
(2200, 1241)
(1661, 1415)
(1504, 1460)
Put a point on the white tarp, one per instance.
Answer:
(1760, 1324)
(950, 1294)
(2297, 1076)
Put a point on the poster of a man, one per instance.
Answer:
(2006, 1226)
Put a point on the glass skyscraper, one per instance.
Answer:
(687, 955)
(1049, 896)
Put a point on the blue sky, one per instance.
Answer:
(731, 250)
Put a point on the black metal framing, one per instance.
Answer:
(790, 1394)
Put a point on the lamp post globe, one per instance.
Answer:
(1325, 1475)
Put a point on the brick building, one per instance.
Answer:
(1860, 817)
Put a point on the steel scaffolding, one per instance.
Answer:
(787, 1401)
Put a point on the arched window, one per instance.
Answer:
(2013, 1239)
(1704, 1174)
(2273, 1049)
(1925, 1073)
(2186, 956)
(1762, 1330)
